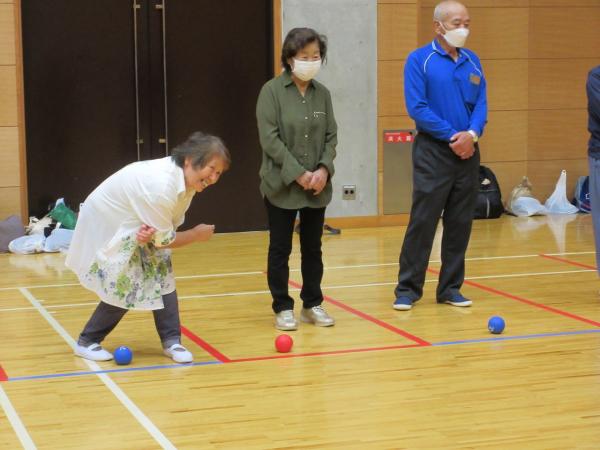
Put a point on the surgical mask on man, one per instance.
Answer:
(456, 37)
(306, 70)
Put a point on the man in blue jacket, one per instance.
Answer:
(445, 92)
(593, 95)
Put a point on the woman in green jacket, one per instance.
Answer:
(298, 135)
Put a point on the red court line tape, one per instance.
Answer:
(205, 345)
(532, 303)
(3, 375)
(528, 302)
(332, 352)
(365, 316)
(568, 261)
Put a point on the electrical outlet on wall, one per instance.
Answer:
(349, 192)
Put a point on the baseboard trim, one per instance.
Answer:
(368, 221)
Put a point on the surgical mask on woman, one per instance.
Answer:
(456, 37)
(306, 70)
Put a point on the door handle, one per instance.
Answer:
(139, 140)
(162, 7)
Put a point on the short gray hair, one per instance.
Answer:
(441, 10)
(201, 148)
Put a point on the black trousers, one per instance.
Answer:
(281, 231)
(106, 317)
(442, 183)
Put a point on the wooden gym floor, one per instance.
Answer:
(430, 378)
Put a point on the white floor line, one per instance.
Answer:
(354, 266)
(71, 305)
(362, 266)
(229, 294)
(481, 258)
(39, 286)
(32, 308)
(219, 275)
(483, 277)
(530, 274)
(341, 286)
(351, 266)
(569, 253)
(392, 283)
(116, 390)
(23, 308)
(15, 421)
(183, 277)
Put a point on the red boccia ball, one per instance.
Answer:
(283, 343)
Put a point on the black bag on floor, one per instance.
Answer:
(489, 199)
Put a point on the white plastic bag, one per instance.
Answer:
(557, 203)
(523, 189)
(25, 245)
(522, 202)
(58, 241)
(36, 226)
(527, 206)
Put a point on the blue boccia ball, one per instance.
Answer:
(496, 325)
(123, 355)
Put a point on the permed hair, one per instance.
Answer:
(201, 148)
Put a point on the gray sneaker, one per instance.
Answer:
(285, 320)
(317, 316)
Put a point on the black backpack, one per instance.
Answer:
(489, 199)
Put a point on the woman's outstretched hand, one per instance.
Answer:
(203, 232)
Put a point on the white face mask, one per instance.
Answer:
(457, 37)
(306, 70)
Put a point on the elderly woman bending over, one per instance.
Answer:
(122, 241)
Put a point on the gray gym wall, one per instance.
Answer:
(351, 76)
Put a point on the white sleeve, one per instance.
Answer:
(156, 210)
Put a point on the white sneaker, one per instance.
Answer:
(93, 352)
(179, 353)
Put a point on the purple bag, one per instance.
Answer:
(10, 229)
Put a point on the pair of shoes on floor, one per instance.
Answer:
(285, 320)
(404, 303)
(95, 352)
